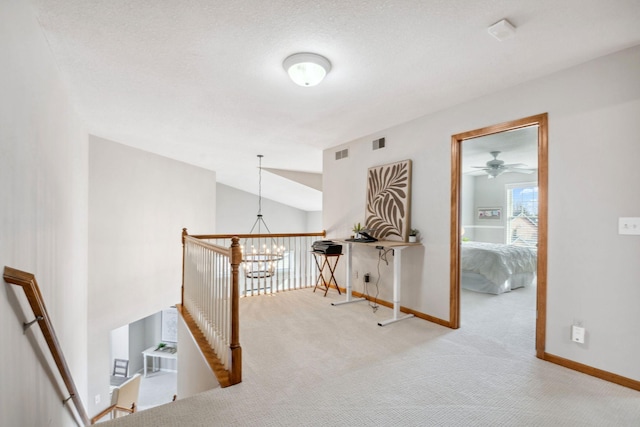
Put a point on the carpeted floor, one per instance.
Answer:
(156, 389)
(307, 363)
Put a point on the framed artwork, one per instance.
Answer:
(489, 213)
(169, 325)
(389, 201)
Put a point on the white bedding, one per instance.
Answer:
(495, 268)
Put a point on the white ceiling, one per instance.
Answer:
(515, 146)
(201, 81)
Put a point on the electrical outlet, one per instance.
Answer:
(367, 278)
(577, 334)
(629, 226)
(97, 399)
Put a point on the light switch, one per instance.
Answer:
(629, 225)
(577, 334)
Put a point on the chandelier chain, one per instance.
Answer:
(259, 184)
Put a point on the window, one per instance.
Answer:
(522, 214)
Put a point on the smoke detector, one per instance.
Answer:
(502, 30)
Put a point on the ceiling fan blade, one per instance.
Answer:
(517, 170)
(514, 165)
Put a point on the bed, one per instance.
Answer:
(495, 268)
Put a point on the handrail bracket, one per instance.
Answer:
(27, 325)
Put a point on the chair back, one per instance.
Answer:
(126, 396)
(120, 367)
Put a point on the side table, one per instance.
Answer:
(329, 262)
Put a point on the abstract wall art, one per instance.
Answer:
(389, 201)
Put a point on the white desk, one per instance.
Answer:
(152, 352)
(397, 247)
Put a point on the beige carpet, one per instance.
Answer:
(307, 363)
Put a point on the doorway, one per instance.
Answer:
(540, 122)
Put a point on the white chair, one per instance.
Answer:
(124, 399)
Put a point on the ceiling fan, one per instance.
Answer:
(497, 167)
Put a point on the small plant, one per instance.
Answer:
(357, 228)
(414, 232)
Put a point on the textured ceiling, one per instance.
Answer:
(201, 81)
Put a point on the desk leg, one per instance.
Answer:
(350, 298)
(144, 356)
(397, 282)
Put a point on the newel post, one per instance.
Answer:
(236, 350)
(184, 234)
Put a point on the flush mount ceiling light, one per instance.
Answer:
(502, 30)
(307, 69)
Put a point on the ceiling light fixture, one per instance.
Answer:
(502, 30)
(261, 260)
(307, 69)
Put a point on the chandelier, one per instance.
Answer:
(261, 259)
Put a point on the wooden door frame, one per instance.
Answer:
(541, 120)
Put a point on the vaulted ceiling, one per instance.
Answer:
(201, 81)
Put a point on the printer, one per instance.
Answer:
(327, 247)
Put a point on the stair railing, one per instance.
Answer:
(30, 286)
(210, 304)
(219, 268)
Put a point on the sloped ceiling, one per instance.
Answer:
(201, 81)
(516, 146)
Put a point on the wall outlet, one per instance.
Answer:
(367, 278)
(629, 226)
(577, 334)
(97, 399)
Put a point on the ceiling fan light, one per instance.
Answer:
(306, 69)
(492, 173)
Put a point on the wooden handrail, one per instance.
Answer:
(103, 413)
(30, 286)
(257, 236)
(111, 409)
(215, 248)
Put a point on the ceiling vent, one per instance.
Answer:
(378, 144)
(342, 154)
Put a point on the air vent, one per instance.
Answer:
(378, 144)
(342, 154)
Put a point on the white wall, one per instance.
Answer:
(138, 204)
(237, 210)
(593, 153)
(467, 205)
(43, 223)
(120, 344)
(314, 221)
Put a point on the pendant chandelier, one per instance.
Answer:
(261, 259)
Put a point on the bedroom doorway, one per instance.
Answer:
(492, 221)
